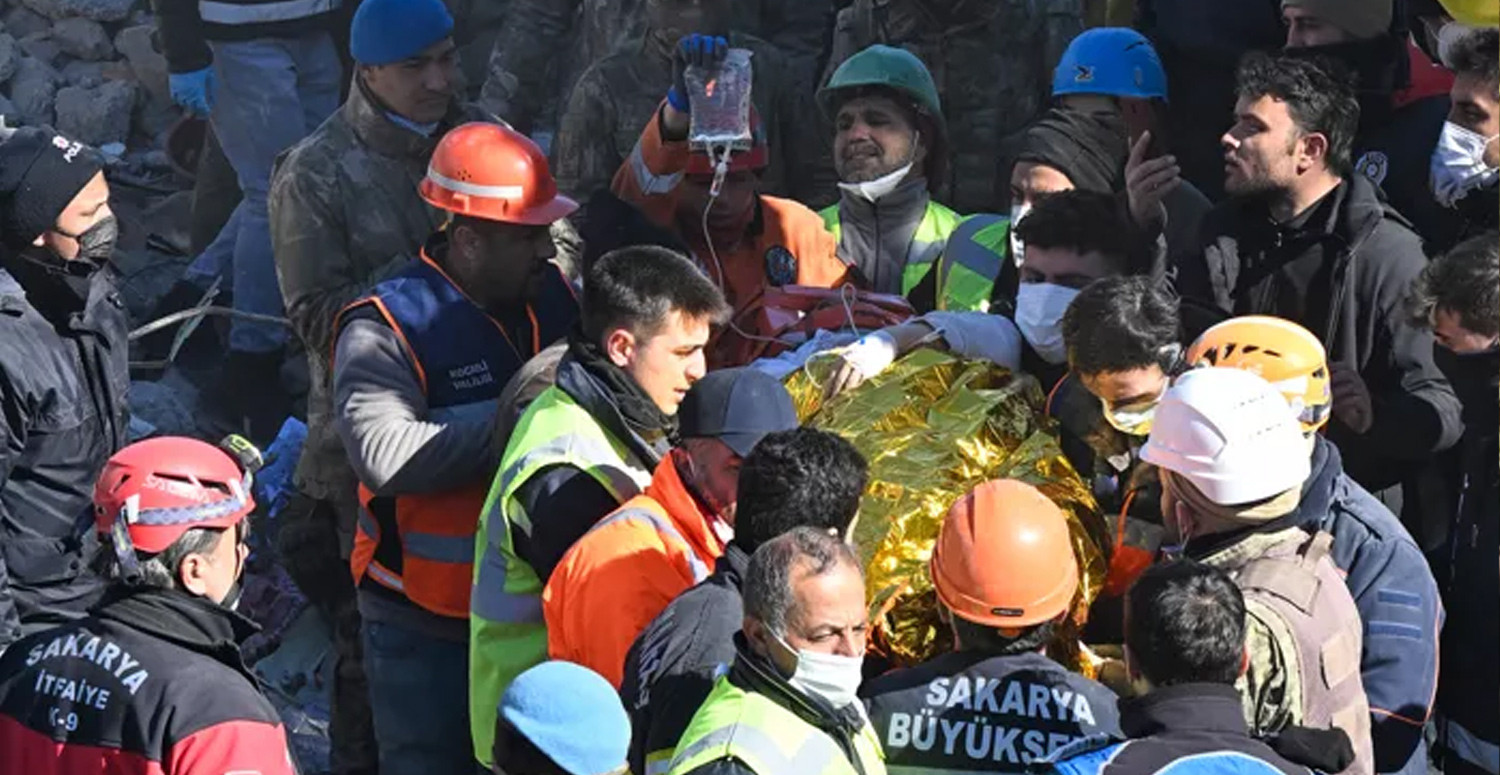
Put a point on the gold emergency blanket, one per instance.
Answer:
(932, 427)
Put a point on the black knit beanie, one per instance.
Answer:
(40, 173)
(1090, 148)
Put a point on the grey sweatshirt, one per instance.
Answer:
(396, 444)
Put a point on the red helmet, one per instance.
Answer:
(756, 158)
(165, 486)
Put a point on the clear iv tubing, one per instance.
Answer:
(719, 154)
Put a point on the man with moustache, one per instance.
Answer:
(890, 151)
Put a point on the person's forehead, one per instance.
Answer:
(1061, 260)
(1448, 323)
(1472, 88)
(1118, 382)
(870, 102)
(1266, 107)
(829, 595)
(1039, 176)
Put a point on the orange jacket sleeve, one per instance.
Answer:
(606, 590)
(650, 176)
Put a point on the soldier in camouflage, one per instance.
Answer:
(618, 95)
(525, 75)
(992, 61)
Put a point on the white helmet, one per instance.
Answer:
(1231, 434)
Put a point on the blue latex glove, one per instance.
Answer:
(194, 91)
(694, 49)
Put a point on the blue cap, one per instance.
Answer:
(738, 407)
(387, 31)
(571, 714)
(1117, 61)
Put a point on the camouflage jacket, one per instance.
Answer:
(344, 215)
(620, 94)
(524, 73)
(992, 61)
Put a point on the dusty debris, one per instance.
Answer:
(97, 115)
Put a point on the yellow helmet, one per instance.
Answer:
(1281, 352)
(1475, 13)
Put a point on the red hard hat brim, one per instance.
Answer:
(546, 214)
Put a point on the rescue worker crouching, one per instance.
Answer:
(584, 446)
(788, 702)
(744, 240)
(1122, 336)
(890, 151)
(629, 566)
(1005, 574)
(152, 680)
(418, 367)
(1382, 566)
(1233, 462)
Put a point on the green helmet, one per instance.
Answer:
(889, 67)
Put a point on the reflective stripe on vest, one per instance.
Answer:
(651, 184)
(971, 262)
(215, 12)
(507, 633)
(968, 250)
(665, 527)
(421, 545)
(767, 738)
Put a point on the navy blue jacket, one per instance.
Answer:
(969, 711)
(1398, 600)
(1193, 729)
(64, 376)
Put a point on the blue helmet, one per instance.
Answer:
(1117, 61)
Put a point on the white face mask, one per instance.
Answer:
(1017, 247)
(873, 190)
(1039, 313)
(1458, 164)
(834, 678)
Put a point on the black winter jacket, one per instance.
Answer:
(672, 666)
(1189, 728)
(186, 26)
(1343, 270)
(64, 375)
(1471, 676)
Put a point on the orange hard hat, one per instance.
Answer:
(1281, 352)
(493, 172)
(1003, 557)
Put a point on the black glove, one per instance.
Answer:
(1325, 750)
(695, 49)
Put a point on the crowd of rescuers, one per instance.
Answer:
(557, 504)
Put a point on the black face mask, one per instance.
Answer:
(97, 242)
(1475, 378)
